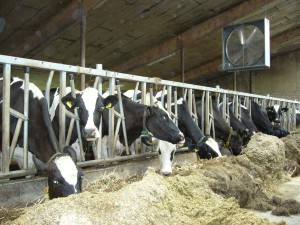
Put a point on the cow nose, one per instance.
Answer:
(166, 173)
(89, 132)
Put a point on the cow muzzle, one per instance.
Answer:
(91, 134)
(181, 139)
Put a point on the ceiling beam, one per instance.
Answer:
(173, 44)
(55, 25)
(215, 66)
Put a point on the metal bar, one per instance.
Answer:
(162, 100)
(194, 109)
(169, 99)
(143, 101)
(17, 114)
(15, 138)
(48, 87)
(190, 101)
(135, 91)
(105, 73)
(212, 119)
(151, 95)
(111, 124)
(122, 117)
(207, 121)
(82, 42)
(202, 112)
(26, 115)
(117, 130)
(71, 115)
(5, 118)
(175, 106)
(62, 110)
(70, 130)
(73, 93)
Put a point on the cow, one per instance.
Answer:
(297, 118)
(156, 121)
(263, 124)
(247, 120)
(223, 131)
(275, 112)
(209, 148)
(64, 177)
(238, 125)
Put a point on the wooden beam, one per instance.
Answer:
(54, 26)
(170, 46)
(214, 67)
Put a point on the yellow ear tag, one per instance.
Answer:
(47, 189)
(69, 104)
(108, 106)
(196, 149)
(180, 144)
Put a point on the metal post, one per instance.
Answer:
(48, 87)
(26, 114)
(82, 43)
(99, 88)
(62, 111)
(202, 111)
(190, 101)
(162, 100)
(5, 118)
(111, 119)
(73, 93)
(143, 101)
(151, 94)
(175, 106)
(194, 109)
(207, 109)
(123, 116)
(169, 99)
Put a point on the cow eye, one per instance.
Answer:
(164, 117)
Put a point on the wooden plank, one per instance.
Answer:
(187, 37)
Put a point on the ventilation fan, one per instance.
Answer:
(246, 46)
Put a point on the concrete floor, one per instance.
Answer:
(288, 190)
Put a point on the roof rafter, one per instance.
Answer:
(171, 45)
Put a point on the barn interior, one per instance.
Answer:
(172, 40)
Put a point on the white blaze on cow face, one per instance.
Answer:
(68, 170)
(166, 156)
(89, 97)
(214, 145)
(276, 108)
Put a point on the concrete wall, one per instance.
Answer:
(281, 80)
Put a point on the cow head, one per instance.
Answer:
(206, 148)
(64, 177)
(279, 131)
(275, 113)
(89, 105)
(245, 135)
(235, 143)
(159, 123)
(166, 152)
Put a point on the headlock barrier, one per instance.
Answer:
(188, 91)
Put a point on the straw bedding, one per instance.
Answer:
(205, 192)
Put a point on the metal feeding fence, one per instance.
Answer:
(147, 84)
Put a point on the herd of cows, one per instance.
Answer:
(151, 121)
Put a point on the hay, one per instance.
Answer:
(205, 192)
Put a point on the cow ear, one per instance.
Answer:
(71, 152)
(149, 111)
(69, 102)
(284, 109)
(41, 167)
(110, 101)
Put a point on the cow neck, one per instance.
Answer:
(46, 139)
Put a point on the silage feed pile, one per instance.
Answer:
(205, 192)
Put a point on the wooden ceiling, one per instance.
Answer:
(142, 37)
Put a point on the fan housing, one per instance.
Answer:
(246, 46)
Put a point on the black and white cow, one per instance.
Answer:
(64, 177)
(90, 106)
(263, 124)
(223, 131)
(209, 148)
(247, 120)
(275, 112)
(205, 146)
